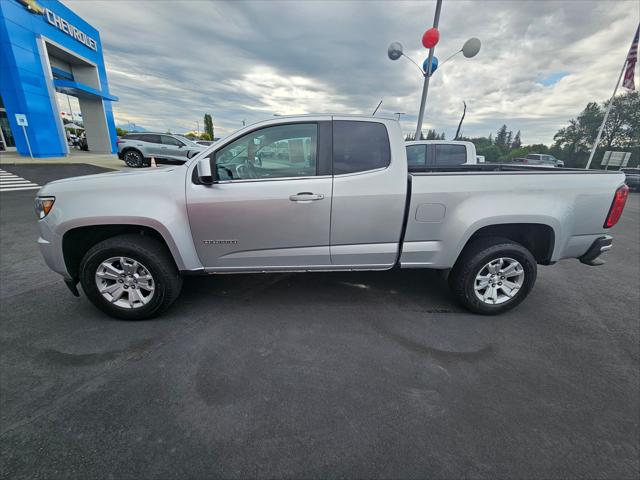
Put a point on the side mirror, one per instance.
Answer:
(204, 168)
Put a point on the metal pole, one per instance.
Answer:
(464, 112)
(427, 75)
(606, 115)
(24, 131)
(374, 112)
(70, 110)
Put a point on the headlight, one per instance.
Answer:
(44, 206)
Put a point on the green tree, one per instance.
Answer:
(517, 143)
(120, 132)
(205, 136)
(491, 153)
(573, 143)
(208, 125)
(501, 138)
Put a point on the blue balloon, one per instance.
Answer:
(434, 64)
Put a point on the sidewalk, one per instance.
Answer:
(104, 160)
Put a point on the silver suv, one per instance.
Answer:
(136, 149)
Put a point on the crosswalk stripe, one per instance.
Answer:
(10, 182)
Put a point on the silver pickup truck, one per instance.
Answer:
(320, 193)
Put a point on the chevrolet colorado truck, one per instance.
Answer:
(320, 193)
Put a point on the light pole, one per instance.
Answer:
(430, 39)
(427, 74)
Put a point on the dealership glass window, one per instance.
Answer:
(450, 155)
(271, 152)
(416, 155)
(6, 136)
(167, 140)
(359, 146)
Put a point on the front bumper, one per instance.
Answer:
(50, 246)
(598, 247)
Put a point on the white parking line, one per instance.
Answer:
(10, 182)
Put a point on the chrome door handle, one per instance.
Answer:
(306, 197)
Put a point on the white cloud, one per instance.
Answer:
(171, 62)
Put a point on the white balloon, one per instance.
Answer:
(471, 47)
(395, 51)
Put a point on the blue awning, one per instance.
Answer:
(81, 90)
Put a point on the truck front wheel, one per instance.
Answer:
(132, 277)
(493, 275)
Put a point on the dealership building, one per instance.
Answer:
(45, 48)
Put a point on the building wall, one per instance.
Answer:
(25, 80)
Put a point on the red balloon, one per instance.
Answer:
(430, 38)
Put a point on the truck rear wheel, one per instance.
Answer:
(493, 275)
(132, 277)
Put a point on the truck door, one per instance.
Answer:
(369, 192)
(271, 207)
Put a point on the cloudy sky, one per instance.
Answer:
(541, 61)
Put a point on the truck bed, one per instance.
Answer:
(448, 205)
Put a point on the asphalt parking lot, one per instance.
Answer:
(363, 375)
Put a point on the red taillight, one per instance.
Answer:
(619, 199)
(118, 141)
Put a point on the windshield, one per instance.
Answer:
(187, 141)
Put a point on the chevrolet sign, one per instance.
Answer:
(61, 24)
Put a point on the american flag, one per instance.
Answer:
(632, 58)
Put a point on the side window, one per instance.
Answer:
(450, 155)
(416, 155)
(150, 138)
(167, 140)
(271, 152)
(359, 146)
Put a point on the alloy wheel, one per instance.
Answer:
(125, 282)
(499, 281)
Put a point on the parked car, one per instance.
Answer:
(340, 198)
(424, 154)
(540, 159)
(206, 143)
(632, 177)
(136, 149)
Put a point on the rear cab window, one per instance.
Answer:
(450, 155)
(417, 155)
(359, 146)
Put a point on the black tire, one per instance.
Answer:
(152, 254)
(472, 260)
(133, 158)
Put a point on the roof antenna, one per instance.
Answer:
(374, 112)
